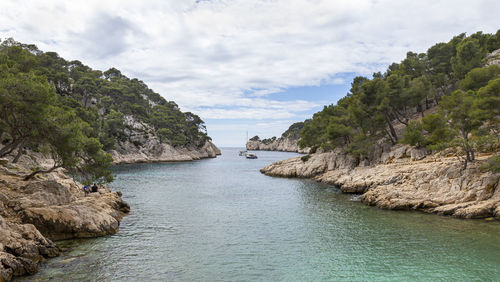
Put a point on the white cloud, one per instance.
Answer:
(211, 55)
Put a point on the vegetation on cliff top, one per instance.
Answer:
(451, 75)
(293, 132)
(75, 114)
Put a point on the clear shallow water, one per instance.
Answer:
(220, 219)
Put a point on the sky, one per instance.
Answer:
(244, 65)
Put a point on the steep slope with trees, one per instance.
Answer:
(444, 102)
(78, 115)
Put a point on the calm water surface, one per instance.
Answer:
(220, 219)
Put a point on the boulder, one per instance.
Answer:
(416, 154)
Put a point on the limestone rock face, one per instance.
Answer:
(404, 178)
(493, 58)
(317, 164)
(49, 207)
(21, 248)
(154, 151)
(280, 144)
(143, 146)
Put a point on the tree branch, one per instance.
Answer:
(28, 177)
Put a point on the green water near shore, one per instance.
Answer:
(220, 219)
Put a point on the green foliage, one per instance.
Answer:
(492, 164)
(255, 138)
(268, 140)
(457, 125)
(438, 132)
(305, 158)
(164, 133)
(413, 134)
(479, 77)
(373, 106)
(24, 100)
(469, 55)
(75, 113)
(361, 146)
(487, 105)
(293, 131)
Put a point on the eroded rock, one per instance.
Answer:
(49, 207)
(404, 178)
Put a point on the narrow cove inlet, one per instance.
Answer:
(222, 220)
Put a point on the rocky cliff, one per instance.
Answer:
(154, 151)
(143, 146)
(284, 144)
(48, 207)
(404, 178)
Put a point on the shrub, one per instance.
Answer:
(413, 134)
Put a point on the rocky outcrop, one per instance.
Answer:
(493, 58)
(143, 146)
(316, 164)
(22, 246)
(49, 207)
(281, 144)
(404, 178)
(154, 151)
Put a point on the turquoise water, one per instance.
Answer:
(221, 220)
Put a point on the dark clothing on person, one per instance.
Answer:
(94, 188)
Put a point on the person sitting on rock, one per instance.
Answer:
(94, 188)
(86, 190)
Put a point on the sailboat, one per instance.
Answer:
(251, 156)
(246, 153)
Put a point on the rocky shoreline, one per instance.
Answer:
(154, 151)
(50, 207)
(404, 178)
(35, 213)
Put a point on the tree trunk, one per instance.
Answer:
(420, 109)
(391, 128)
(11, 147)
(400, 117)
(28, 177)
(390, 137)
(19, 152)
